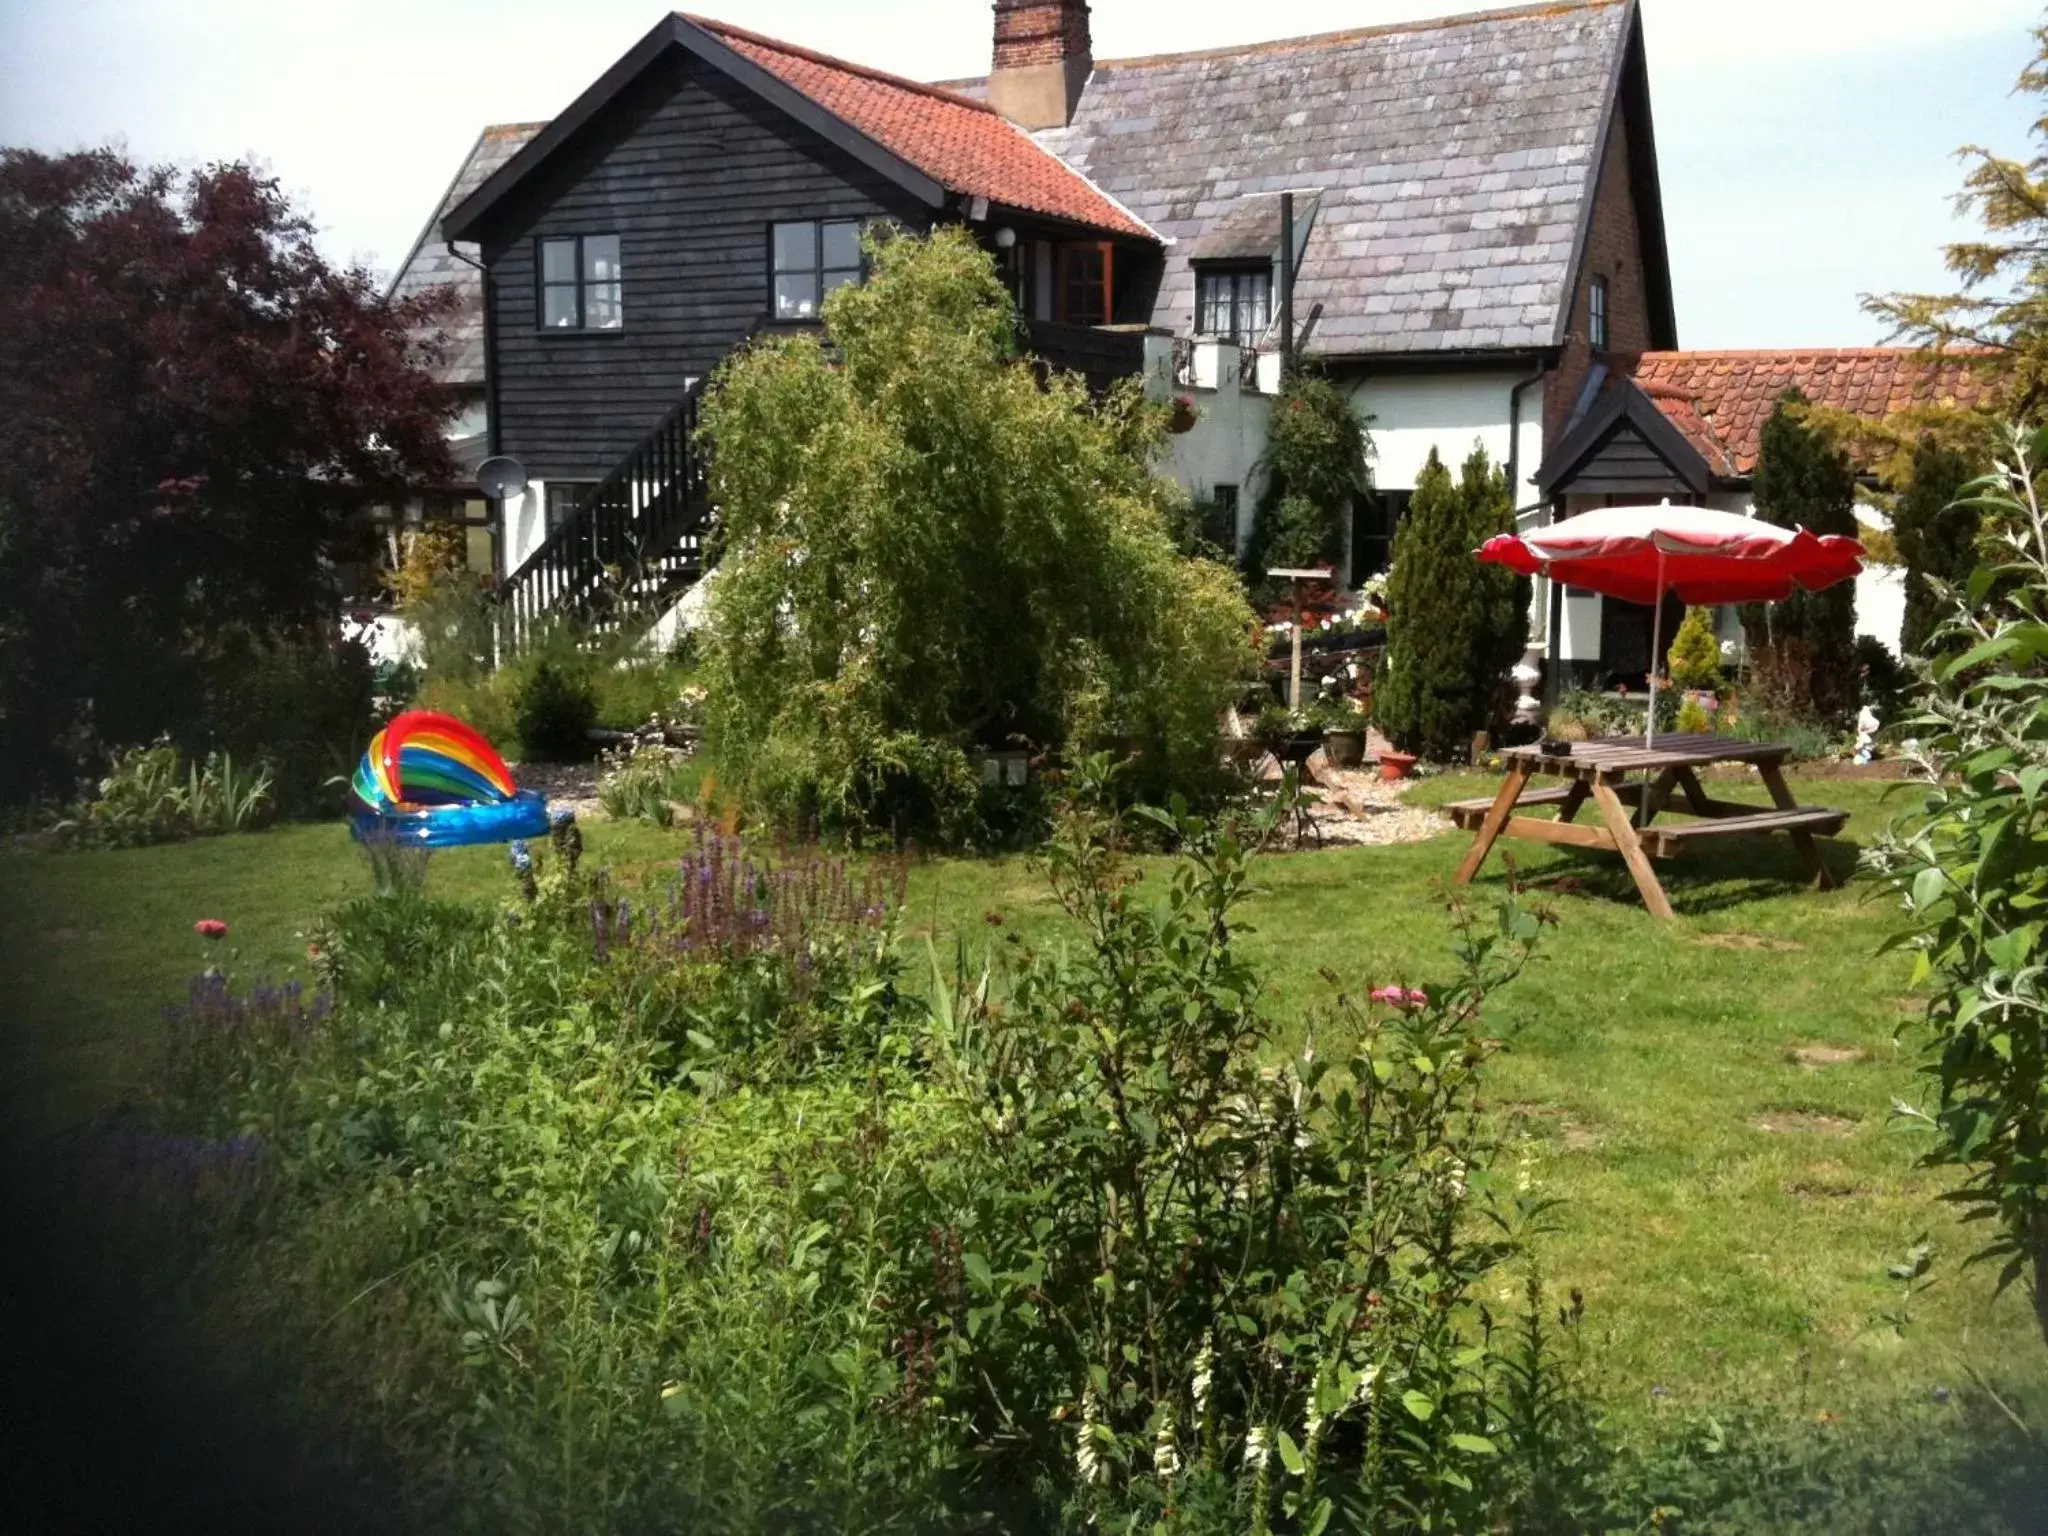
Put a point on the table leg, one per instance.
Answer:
(1622, 826)
(1773, 775)
(1574, 800)
(1695, 792)
(1496, 817)
(1659, 795)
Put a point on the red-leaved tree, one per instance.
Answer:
(195, 407)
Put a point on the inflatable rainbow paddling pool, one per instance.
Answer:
(431, 780)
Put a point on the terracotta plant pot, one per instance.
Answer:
(1396, 765)
(1344, 749)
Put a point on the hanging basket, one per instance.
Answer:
(1183, 417)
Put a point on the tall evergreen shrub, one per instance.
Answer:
(1454, 626)
(1804, 648)
(1936, 538)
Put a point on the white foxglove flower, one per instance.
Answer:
(1256, 1449)
(1165, 1453)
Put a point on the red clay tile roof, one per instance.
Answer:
(964, 145)
(1721, 400)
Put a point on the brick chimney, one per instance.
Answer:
(1043, 57)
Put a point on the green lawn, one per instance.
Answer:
(1729, 1210)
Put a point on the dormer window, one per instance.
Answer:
(1234, 304)
(1596, 314)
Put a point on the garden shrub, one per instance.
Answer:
(927, 553)
(1315, 464)
(1692, 717)
(638, 783)
(303, 709)
(1934, 526)
(1971, 864)
(1801, 649)
(1455, 626)
(554, 706)
(1695, 655)
(154, 795)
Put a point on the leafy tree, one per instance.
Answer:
(2002, 307)
(1805, 646)
(1454, 626)
(926, 553)
(1935, 531)
(1315, 463)
(1972, 868)
(191, 403)
(1695, 655)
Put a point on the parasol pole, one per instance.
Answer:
(1656, 645)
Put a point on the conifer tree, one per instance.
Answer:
(1455, 627)
(1806, 645)
(1695, 655)
(1935, 538)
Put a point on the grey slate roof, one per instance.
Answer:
(1455, 158)
(429, 262)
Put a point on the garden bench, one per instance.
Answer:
(1669, 841)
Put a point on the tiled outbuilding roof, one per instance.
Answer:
(962, 144)
(1721, 400)
(1456, 159)
(430, 263)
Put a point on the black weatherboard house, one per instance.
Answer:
(1460, 217)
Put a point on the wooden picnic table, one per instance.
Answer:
(1598, 771)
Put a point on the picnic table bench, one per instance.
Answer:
(1597, 772)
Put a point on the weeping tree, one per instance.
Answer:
(927, 554)
(1455, 627)
(1803, 650)
(1936, 538)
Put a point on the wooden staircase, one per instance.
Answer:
(632, 547)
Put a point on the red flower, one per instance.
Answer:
(210, 928)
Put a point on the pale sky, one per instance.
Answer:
(1807, 146)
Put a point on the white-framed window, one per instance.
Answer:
(582, 286)
(808, 258)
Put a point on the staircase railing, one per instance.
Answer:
(634, 542)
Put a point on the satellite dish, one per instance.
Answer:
(500, 476)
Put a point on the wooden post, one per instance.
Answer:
(1297, 577)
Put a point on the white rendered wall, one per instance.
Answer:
(1409, 414)
(1229, 435)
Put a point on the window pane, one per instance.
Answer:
(603, 307)
(796, 296)
(796, 247)
(601, 259)
(558, 261)
(841, 279)
(558, 306)
(842, 244)
(1255, 303)
(1205, 309)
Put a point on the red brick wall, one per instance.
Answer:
(1614, 249)
(1040, 32)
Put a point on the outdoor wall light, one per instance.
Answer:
(1005, 238)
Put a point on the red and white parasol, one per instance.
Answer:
(1638, 554)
